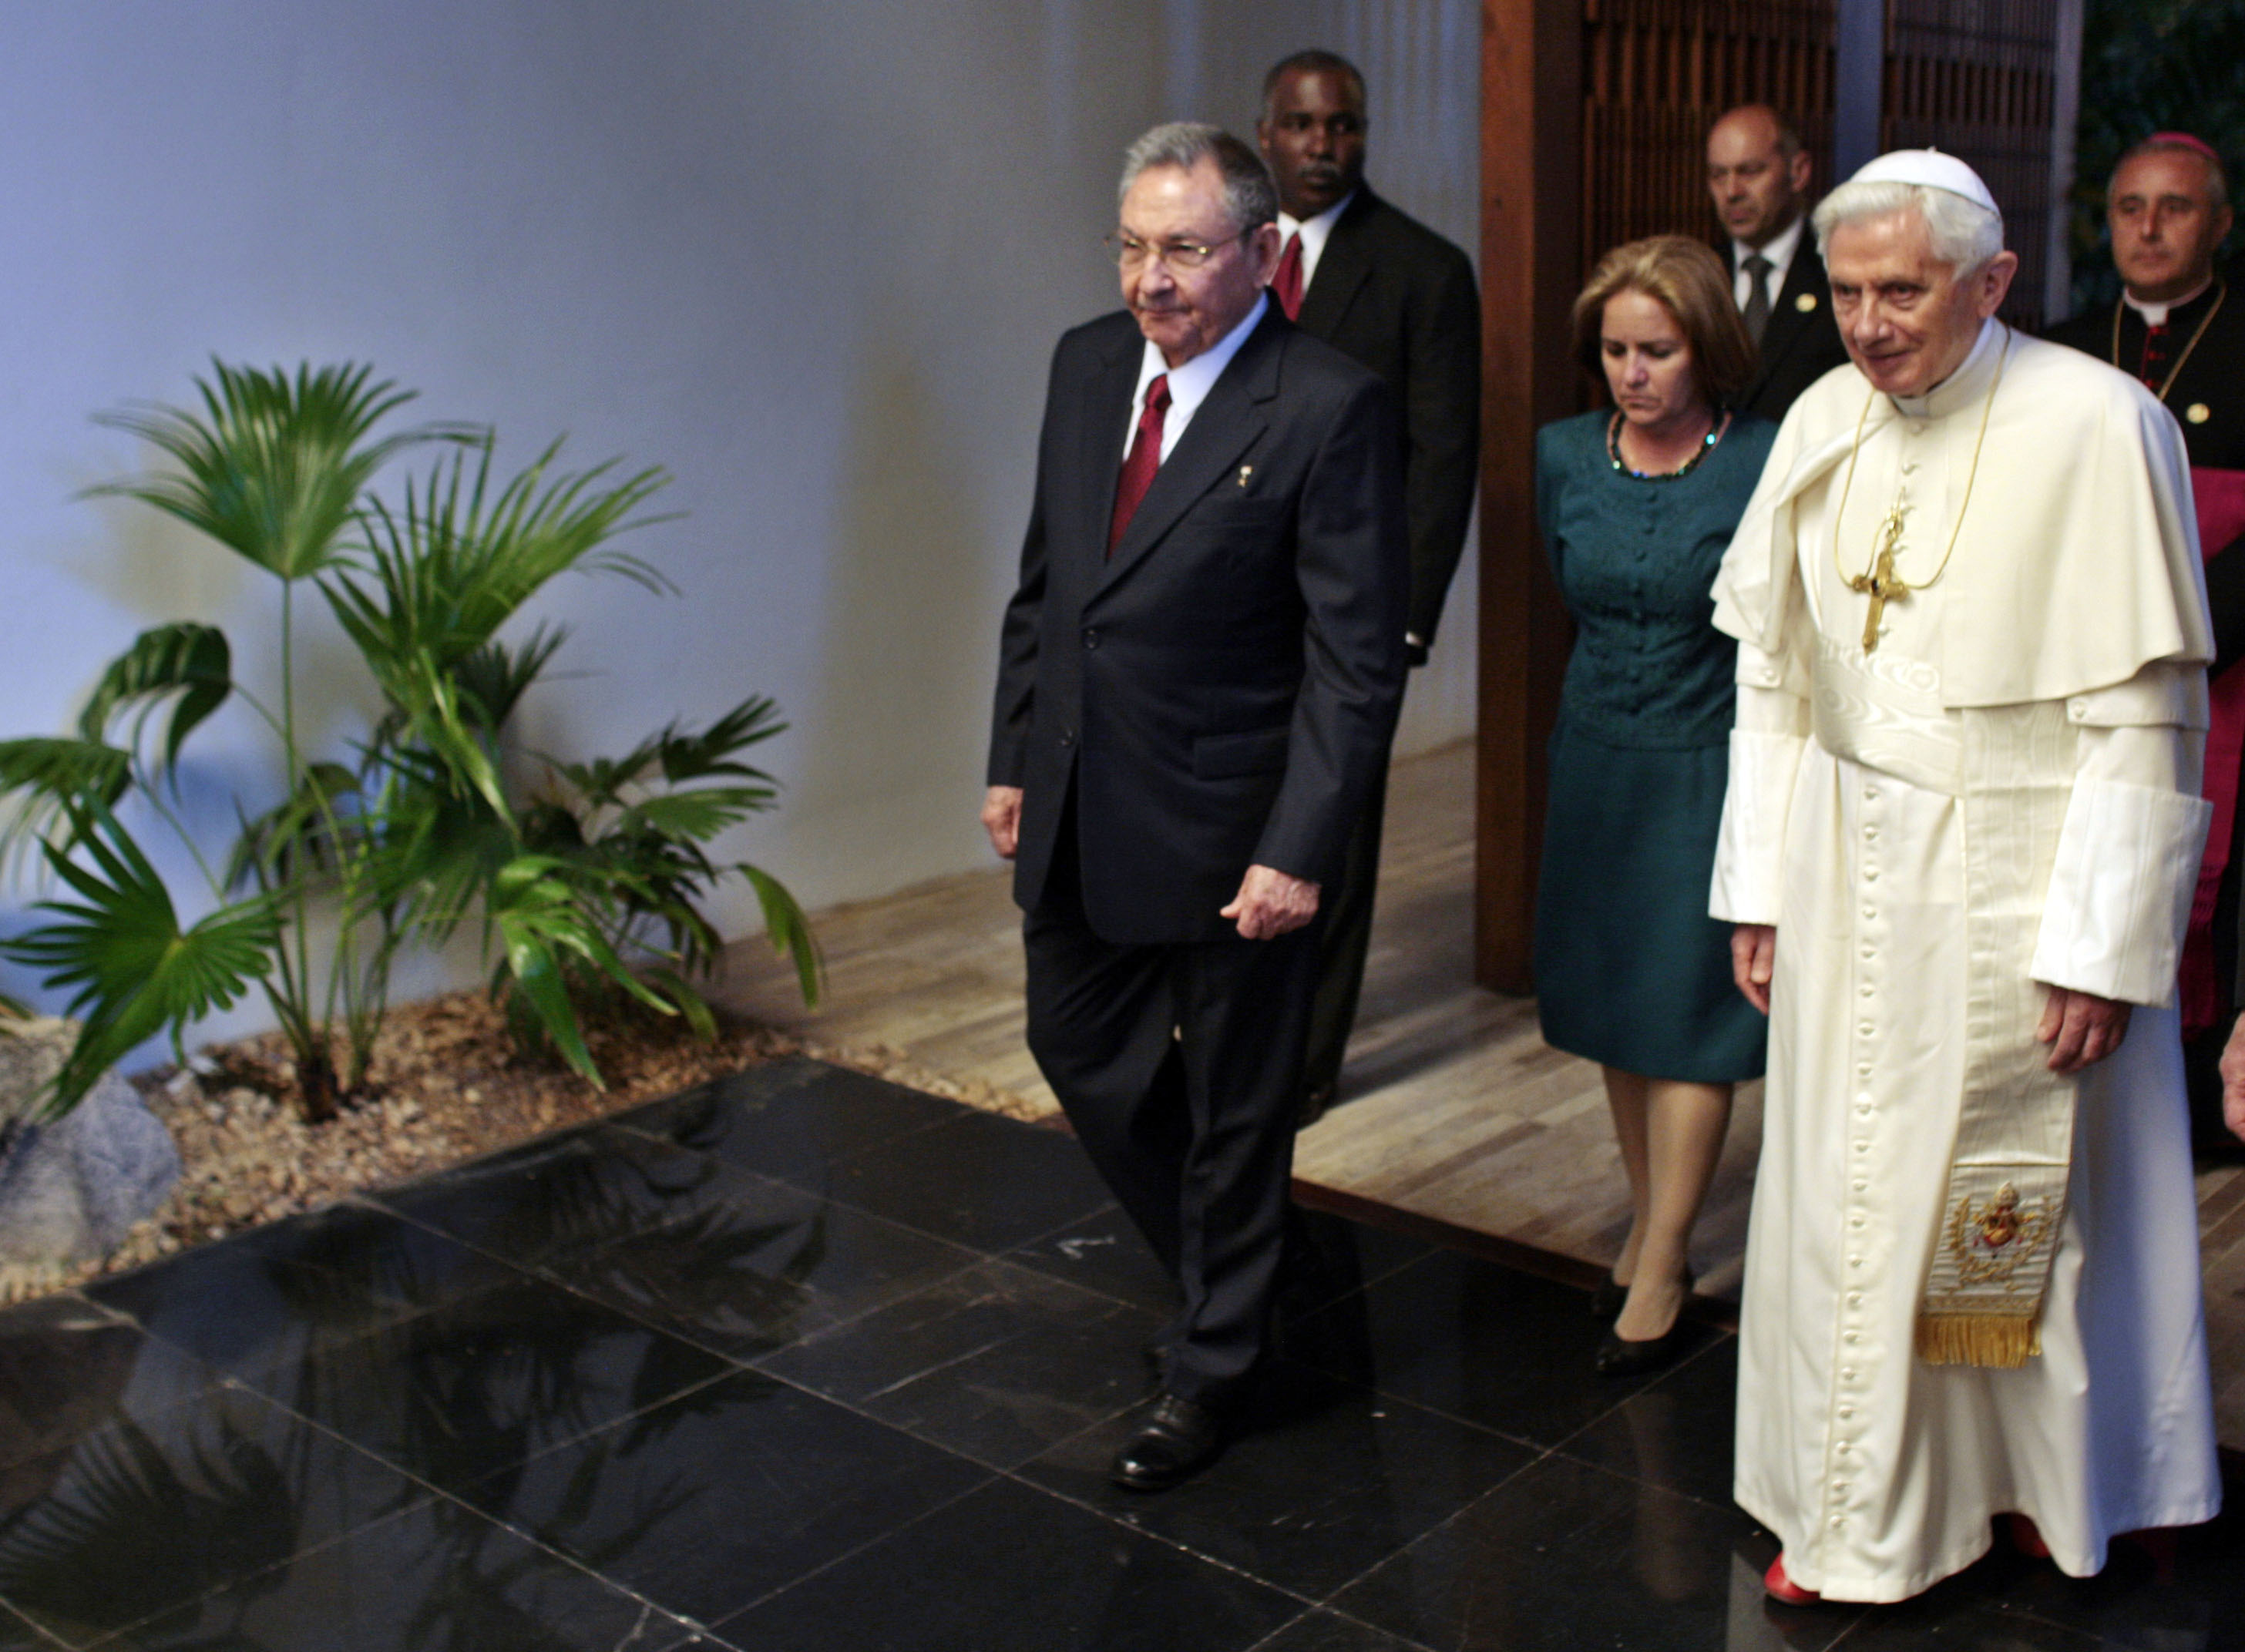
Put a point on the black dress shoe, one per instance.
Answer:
(1176, 1437)
(1617, 1357)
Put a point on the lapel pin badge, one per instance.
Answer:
(1806, 303)
(2198, 413)
(1246, 471)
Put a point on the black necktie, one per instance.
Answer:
(1756, 314)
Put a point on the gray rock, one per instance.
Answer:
(71, 1188)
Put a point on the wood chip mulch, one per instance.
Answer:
(448, 1084)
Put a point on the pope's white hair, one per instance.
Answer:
(1964, 234)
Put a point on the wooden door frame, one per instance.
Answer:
(1532, 172)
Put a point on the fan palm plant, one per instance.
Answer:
(414, 828)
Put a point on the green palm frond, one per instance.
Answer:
(438, 577)
(700, 756)
(698, 815)
(191, 660)
(47, 777)
(494, 677)
(137, 971)
(680, 754)
(310, 830)
(272, 467)
(687, 998)
(65, 770)
(787, 926)
(545, 923)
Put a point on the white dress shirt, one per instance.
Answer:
(1314, 233)
(1189, 384)
(1780, 251)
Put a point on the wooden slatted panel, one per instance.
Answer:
(1657, 73)
(1976, 78)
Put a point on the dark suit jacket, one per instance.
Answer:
(1221, 691)
(1800, 345)
(1395, 295)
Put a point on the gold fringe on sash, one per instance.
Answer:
(1995, 1342)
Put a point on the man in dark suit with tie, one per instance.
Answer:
(1758, 178)
(1197, 680)
(1383, 288)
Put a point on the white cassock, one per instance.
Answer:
(2064, 646)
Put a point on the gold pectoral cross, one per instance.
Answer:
(1881, 583)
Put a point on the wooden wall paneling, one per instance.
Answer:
(1530, 165)
(1658, 74)
(1979, 80)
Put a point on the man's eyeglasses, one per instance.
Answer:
(1130, 253)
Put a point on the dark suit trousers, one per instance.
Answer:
(1179, 1066)
(1344, 918)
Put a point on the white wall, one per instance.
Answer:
(809, 255)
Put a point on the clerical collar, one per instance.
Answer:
(1963, 388)
(2156, 315)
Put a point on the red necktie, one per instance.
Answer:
(1286, 279)
(1145, 458)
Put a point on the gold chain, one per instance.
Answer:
(2221, 292)
(1878, 580)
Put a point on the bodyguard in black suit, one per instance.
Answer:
(1199, 676)
(1386, 291)
(1758, 177)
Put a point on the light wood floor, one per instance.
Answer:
(1453, 1107)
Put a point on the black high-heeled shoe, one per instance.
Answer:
(1608, 1300)
(1618, 1356)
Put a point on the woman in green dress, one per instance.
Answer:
(1637, 503)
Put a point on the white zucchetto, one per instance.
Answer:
(1930, 168)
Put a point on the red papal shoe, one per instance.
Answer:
(2027, 1537)
(1781, 1587)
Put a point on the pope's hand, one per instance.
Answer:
(2232, 1080)
(2081, 1028)
(1754, 960)
(1271, 903)
(1001, 818)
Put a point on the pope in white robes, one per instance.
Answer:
(1959, 845)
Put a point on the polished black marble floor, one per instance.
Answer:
(803, 1360)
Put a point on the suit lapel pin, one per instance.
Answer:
(1806, 303)
(2198, 413)
(1246, 471)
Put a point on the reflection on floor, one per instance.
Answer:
(803, 1360)
(1455, 1108)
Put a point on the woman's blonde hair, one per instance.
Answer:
(1690, 282)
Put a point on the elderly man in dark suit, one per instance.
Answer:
(1197, 680)
(1383, 288)
(1758, 178)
